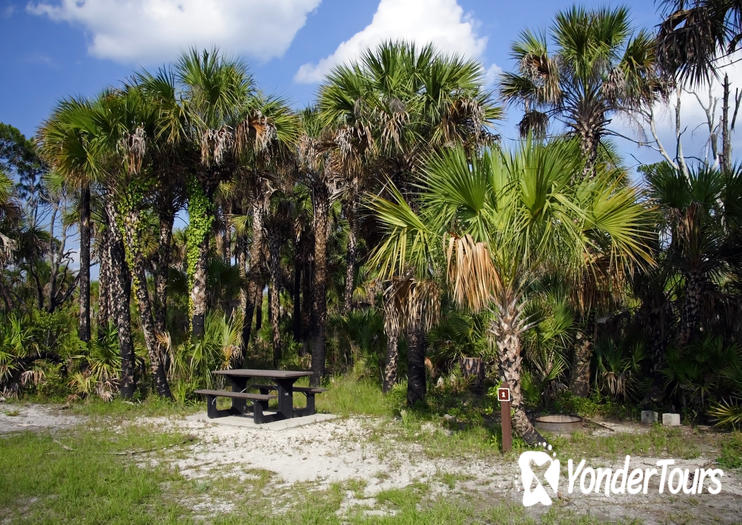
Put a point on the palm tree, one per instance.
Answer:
(343, 102)
(170, 160)
(597, 68)
(695, 33)
(67, 141)
(505, 219)
(388, 111)
(319, 174)
(215, 90)
(700, 220)
(266, 133)
(125, 121)
(65, 149)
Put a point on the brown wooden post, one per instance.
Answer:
(503, 395)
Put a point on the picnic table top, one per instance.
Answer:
(275, 374)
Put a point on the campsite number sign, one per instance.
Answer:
(503, 395)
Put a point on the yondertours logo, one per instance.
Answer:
(584, 479)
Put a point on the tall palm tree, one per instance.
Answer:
(698, 218)
(170, 161)
(695, 33)
(505, 219)
(125, 123)
(266, 134)
(596, 68)
(316, 173)
(343, 103)
(389, 110)
(65, 148)
(215, 88)
(68, 142)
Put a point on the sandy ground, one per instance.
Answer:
(15, 418)
(343, 449)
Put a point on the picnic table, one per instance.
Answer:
(282, 382)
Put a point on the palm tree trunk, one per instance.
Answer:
(352, 215)
(690, 309)
(258, 309)
(589, 142)
(167, 217)
(253, 274)
(83, 329)
(198, 290)
(416, 384)
(241, 255)
(228, 235)
(321, 223)
(120, 296)
(583, 354)
(132, 231)
(104, 282)
(307, 297)
(274, 247)
(53, 265)
(296, 294)
(507, 330)
(391, 329)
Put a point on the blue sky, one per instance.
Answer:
(57, 48)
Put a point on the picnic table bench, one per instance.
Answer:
(283, 386)
(260, 402)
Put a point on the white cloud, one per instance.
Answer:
(150, 31)
(492, 76)
(441, 22)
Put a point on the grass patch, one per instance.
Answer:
(731, 451)
(595, 405)
(153, 406)
(348, 396)
(658, 441)
(84, 477)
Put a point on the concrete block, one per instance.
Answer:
(671, 420)
(649, 417)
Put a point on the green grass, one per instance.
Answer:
(84, 477)
(658, 441)
(152, 406)
(348, 396)
(731, 451)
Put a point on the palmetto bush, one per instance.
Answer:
(548, 343)
(704, 374)
(15, 347)
(98, 370)
(617, 369)
(727, 413)
(33, 348)
(459, 334)
(192, 362)
(357, 336)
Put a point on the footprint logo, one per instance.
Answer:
(537, 494)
